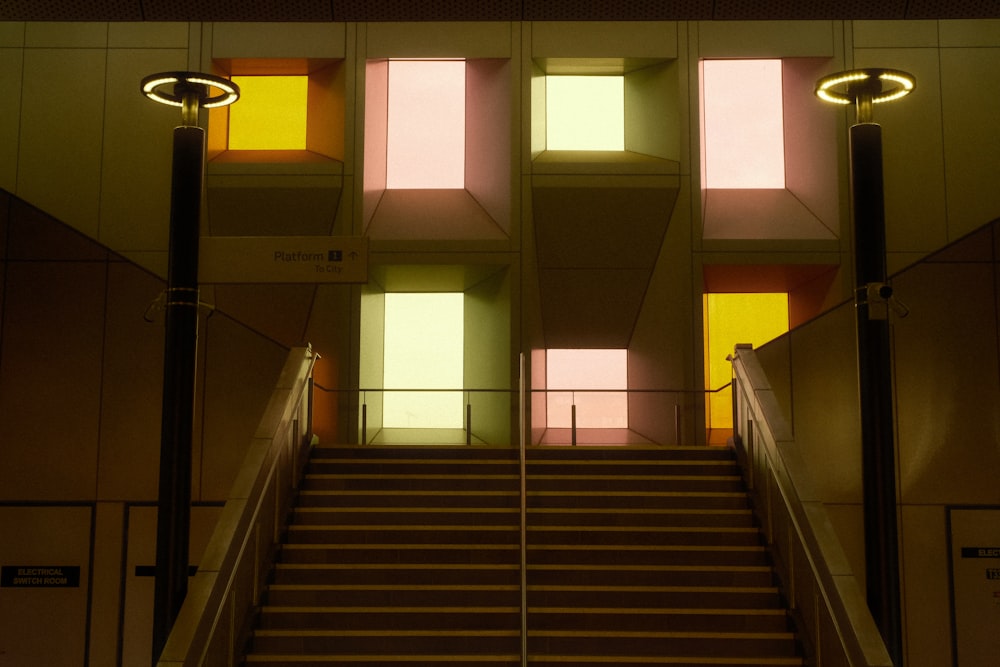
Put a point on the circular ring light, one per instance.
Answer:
(884, 85)
(154, 87)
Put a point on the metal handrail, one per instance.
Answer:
(209, 630)
(523, 464)
(780, 481)
(494, 390)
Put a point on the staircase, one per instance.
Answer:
(648, 556)
(411, 555)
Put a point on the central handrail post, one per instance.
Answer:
(572, 420)
(522, 459)
(468, 419)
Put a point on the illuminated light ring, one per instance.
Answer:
(153, 87)
(900, 85)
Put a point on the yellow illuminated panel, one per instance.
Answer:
(424, 336)
(743, 137)
(270, 114)
(585, 113)
(731, 319)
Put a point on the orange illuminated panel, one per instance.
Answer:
(426, 124)
(743, 139)
(582, 370)
(270, 114)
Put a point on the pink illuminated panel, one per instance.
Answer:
(587, 369)
(743, 141)
(426, 124)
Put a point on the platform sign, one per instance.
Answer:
(975, 557)
(283, 259)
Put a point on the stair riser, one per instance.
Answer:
(460, 469)
(370, 621)
(581, 621)
(382, 644)
(385, 484)
(318, 535)
(583, 577)
(626, 484)
(430, 516)
(410, 452)
(392, 661)
(637, 519)
(713, 647)
(574, 454)
(381, 555)
(701, 501)
(393, 598)
(413, 577)
(650, 556)
(511, 516)
(622, 597)
(584, 538)
(561, 577)
(509, 499)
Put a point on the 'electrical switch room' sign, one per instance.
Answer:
(40, 576)
(283, 259)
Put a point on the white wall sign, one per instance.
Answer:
(283, 259)
(975, 559)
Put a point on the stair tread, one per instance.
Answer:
(665, 611)
(637, 634)
(390, 657)
(387, 631)
(656, 589)
(313, 609)
(670, 660)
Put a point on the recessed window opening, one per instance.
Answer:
(731, 319)
(742, 138)
(578, 372)
(271, 114)
(426, 124)
(585, 113)
(423, 349)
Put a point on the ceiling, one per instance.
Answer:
(489, 10)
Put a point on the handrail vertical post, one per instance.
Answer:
(677, 424)
(572, 420)
(364, 423)
(468, 421)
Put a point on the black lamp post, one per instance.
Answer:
(865, 88)
(190, 91)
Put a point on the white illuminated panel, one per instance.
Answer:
(743, 124)
(585, 113)
(424, 336)
(578, 370)
(426, 124)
